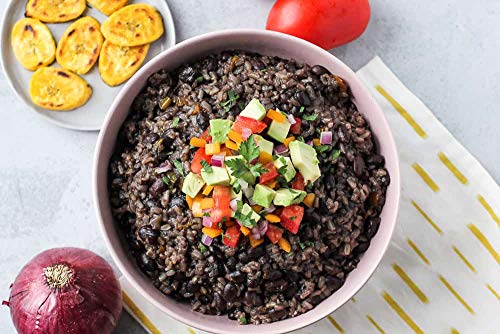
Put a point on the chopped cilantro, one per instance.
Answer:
(293, 217)
(309, 117)
(335, 154)
(175, 122)
(178, 166)
(245, 220)
(166, 180)
(202, 248)
(264, 70)
(206, 167)
(242, 170)
(301, 110)
(237, 187)
(322, 148)
(309, 187)
(302, 245)
(200, 78)
(249, 149)
(241, 105)
(227, 105)
(243, 320)
(306, 244)
(206, 214)
(310, 243)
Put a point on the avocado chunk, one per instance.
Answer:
(290, 172)
(263, 195)
(247, 176)
(264, 144)
(246, 209)
(254, 110)
(305, 159)
(192, 185)
(219, 128)
(279, 131)
(217, 177)
(238, 196)
(286, 197)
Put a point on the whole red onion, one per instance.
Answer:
(66, 291)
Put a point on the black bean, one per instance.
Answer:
(211, 64)
(145, 262)
(202, 120)
(157, 188)
(148, 234)
(315, 300)
(319, 70)
(333, 282)
(237, 276)
(255, 253)
(371, 226)
(373, 200)
(231, 263)
(290, 67)
(234, 313)
(323, 208)
(244, 258)
(276, 315)
(274, 275)
(192, 287)
(359, 165)
(187, 74)
(252, 298)
(303, 98)
(362, 247)
(276, 286)
(177, 201)
(292, 276)
(376, 160)
(230, 292)
(220, 304)
(253, 282)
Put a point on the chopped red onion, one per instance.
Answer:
(291, 119)
(206, 240)
(254, 161)
(207, 221)
(270, 209)
(163, 169)
(234, 204)
(326, 137)
(256, 232)
(245, 133)
(218, 160)
(263, 225)
(280, 149)
(310, 143)
(239, 223)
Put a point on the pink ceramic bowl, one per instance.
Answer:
(269, 43)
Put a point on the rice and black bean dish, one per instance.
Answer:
(247, 185)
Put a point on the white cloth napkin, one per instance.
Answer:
(441, 273)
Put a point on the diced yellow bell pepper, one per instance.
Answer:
(256, 208)
(213, 148)
(245, 230)
(284, 245)
(276, 116)
(207, 190)
(273, 218)
(235, 136)
(207, 203)
(212, 232)
(288, 140)
(231, 145)
(197, 210)
(265, 157)
(197, 142)
(309, 200)
(255, 242)
(316, 142)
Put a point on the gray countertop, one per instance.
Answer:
(445, 51)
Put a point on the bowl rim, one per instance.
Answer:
(313, 315)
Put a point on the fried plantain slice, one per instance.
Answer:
(58, 89)
(107, 7)
(33, 44)
(79, 47)
(55, 11)
(118, 63)
(133, 25)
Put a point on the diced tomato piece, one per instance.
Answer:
(295, 128)
(298, 182)
(274, 233)
(270, 175)
(199, 155)
(250, 123)
(221, 210)
(206, 134)
(291, 217)
(231, 236)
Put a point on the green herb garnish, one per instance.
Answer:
(242, 170)
(301, 110)
(227, 105)
(264, 70)
(322, 148)
(206, 214)
(178, 166)
(309, 117)
(335, 154)
(175, 122)
(243, 320)
(200, 78)
(245, 220)
(206, 167)
(293, 218)
(249, 149)
(166, 180)
(202, 248)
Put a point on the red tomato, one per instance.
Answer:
(221, 210)
(218, 215)
(200, 155)
(291, 217)
(270, 175)
(295, 129)
(274, 233)
(231, 236)
(298, 182)
(326, 23)
(205, 135)
(247, 122)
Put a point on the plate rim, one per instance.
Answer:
(168, 22)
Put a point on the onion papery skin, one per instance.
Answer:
(89, 303)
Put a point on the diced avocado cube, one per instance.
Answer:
(263, 195)
(290, 169)
(248, 177)
(217, 177)
(192, 185)
(254, 110)
(219, 128)
(305, 159)
(279, 131)
(238, 196)
(246, 209)
(286, 197)
(264, 144)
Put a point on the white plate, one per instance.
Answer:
(90, 116)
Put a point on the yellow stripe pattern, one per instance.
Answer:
(411, 284)
(336, 324)
(374, 323)
(402, 314)
(489, 287)
(453, 169)
(426, 217)
(482, 239)
(455, 294)
(454, 331)
(138, 313)
(402, 111)
(425, 177)
(418, 252)
(464, 259)
(489, 209)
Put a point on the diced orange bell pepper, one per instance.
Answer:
(256, 208)
(231, 145)
(235, 136)
(316, 142)
(207, 203)
(273, 184)
(276, 116)
(255, 242)
(189, 201)
(207, 190)
(245, 230)
(284, 245)
(197, 142)
(288, 140)
(265, 157)
(273, 218)
(212, 232)
(309, 200)
(212, 148)
(197, 210)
